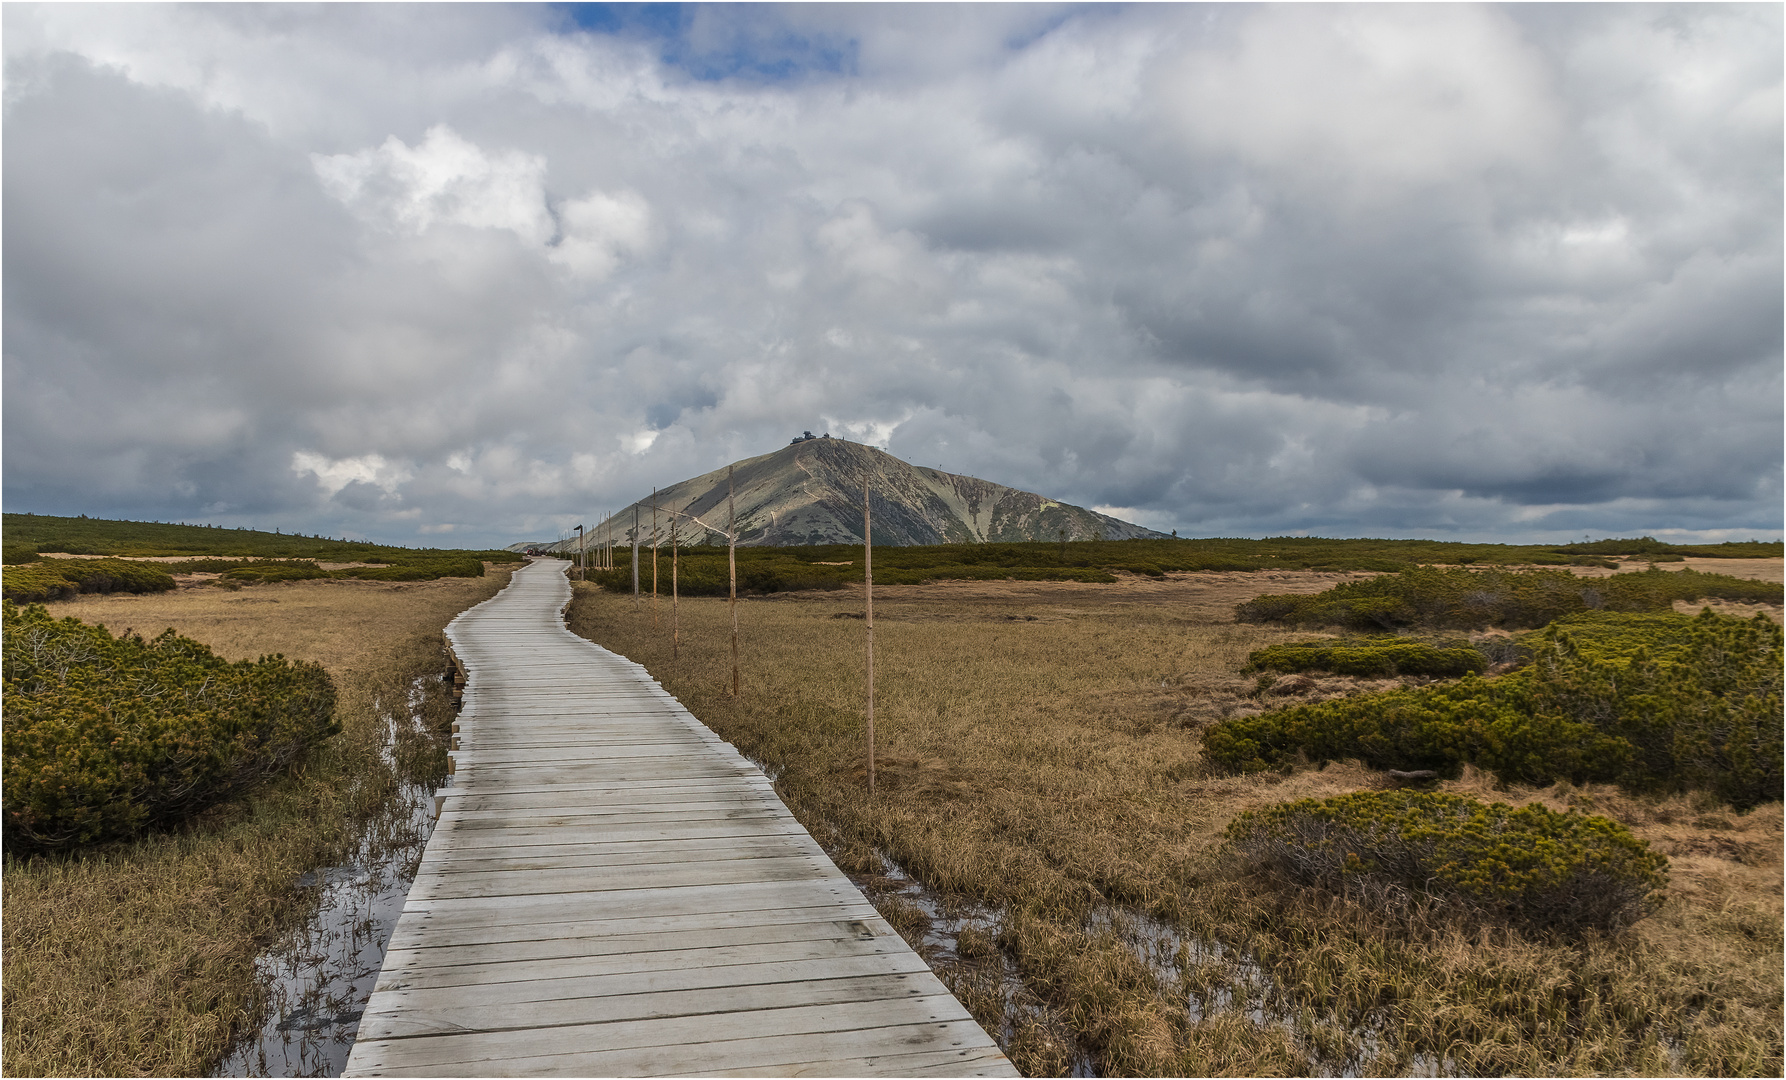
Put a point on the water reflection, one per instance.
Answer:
(319, 979)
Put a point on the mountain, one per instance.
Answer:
(811, 493)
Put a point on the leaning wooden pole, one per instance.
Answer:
(635, 556)
(868, 618)
(675, 599)
(654, 558)
(732, 563)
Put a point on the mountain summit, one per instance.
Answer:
(811, 493)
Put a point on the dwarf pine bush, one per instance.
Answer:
(106, 736)
(263, 573)
(1458, 599)
(416, 570)
(1371, 658)
(1651, 702)
(18, 554)
(1529, 866)
(60, 579)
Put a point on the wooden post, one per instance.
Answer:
(675, 599)
(635, 556)
(582, 567)
(868, 617)
(654, 558)
(732, 563)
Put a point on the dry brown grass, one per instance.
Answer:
(137, 959)
(1038, 755)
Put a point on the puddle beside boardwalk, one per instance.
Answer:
(959, 942)
(319, 979)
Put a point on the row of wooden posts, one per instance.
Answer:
(605, 561)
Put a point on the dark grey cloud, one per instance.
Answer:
(471, 274)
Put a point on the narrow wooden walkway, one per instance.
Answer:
(613, 890)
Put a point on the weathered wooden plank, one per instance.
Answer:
(628, 966)
(458, 825)
(644, 769)
(514, 945)
(878, 1052)
(749, 846)
(473, 801)
(747, 983)
(444, 1013)
(675, 1045)
(635, 903)
(612, 889)
(581, 881)
(521, 833)
(985, 1062)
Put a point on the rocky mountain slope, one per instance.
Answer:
(811, 493)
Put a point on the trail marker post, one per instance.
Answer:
(654, 558)
(731, 534)
(732, 563)
(868, 617)
(675, 598)
(635, 556)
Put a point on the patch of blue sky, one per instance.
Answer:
(1052, 17)
(712, 43)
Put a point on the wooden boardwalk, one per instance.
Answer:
(612, 890)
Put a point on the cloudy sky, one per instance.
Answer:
(465, 275)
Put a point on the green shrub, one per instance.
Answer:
(36, 583)
(415, 570)
(117, 575)
(1656, 702)
(106, 737)
(224, 566)
(18, 554)
(1148, 569)
(1371, 658)
(59, 579)
(262, 573)
(388, 569)
(1662, 552)
(1459, 599)
(1530, 866)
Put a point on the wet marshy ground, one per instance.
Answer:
(961, 941)
(319, 978)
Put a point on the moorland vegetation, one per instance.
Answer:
(1650, 702)
(1095, 900)
(1046, 771)
(704, 569)
(167, 797)
(1454, 598)
(236, 557)
(31, 533)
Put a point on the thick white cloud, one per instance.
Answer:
(443, 179)
(473, 272)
